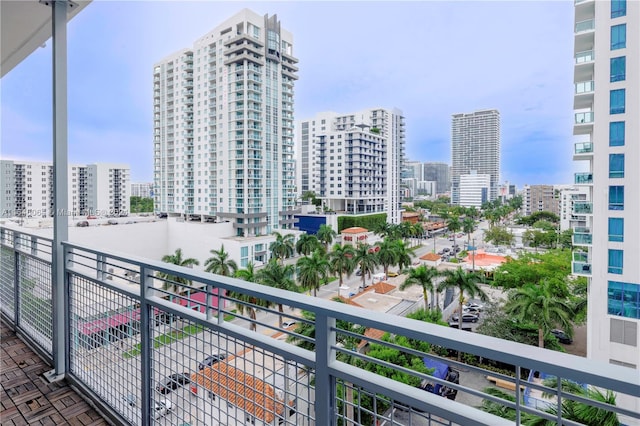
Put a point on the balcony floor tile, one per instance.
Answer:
(27, 398)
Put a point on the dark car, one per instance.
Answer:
(359, 272)
(82, 223)
(173, 382)
(211, 359)
(562, 337)
(466, 317)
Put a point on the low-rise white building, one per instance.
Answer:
(474, 189)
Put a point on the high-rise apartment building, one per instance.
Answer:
(353, 162)
(223, 126)
(475, 145)
(94, 189)
(440, 173)
(607, 140)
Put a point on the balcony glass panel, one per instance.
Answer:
(583, 147)
(584, 87)
(584, 117)
(585, 56)
(583, 178)
(581, 268)
(582, 239)
(587, 25)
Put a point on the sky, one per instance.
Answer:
(430, 59)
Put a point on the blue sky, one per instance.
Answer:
(430, 59)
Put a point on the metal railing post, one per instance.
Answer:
(16, 281)
(60, 179)
(146, 283)
(325, 394)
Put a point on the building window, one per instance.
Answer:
(616, 165)
(618, 8)
(616, 197)
(616, 101)
(618, 69)
(615, 261)
(618, 36)
(616, 133)
(616, 229)
(623, 299)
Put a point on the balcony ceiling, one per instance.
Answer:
(26, 25)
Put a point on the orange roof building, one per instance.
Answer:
(354, 236)
(246, 393)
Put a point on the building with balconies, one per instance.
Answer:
(236, 162)
(353, 162)
(475, 145)
(607, 143)
(100, 189)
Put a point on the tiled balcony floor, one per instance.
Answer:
(28, 399)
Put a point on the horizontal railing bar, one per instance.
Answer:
(551, 362)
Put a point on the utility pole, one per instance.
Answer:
(473, 261)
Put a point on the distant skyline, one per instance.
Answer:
(429, 59)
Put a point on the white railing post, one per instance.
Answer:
(60, 178)
(325, 383)
(146, 283)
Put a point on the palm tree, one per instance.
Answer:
(366, 260)
(537, 304)
(325, 235)
(468, 225)
(245, 301)
(172, 282)
(466, 283)
(453, 224)
(282, 247)
(383, 229)
(278, 276)
(387, 255)
(580, 412)
(418, 230)
(220, 263)
(307, 244)
(422, 276)
(341, 261)
(403, 254)
(313, 270)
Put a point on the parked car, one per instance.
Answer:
(392, 274)
(288, 323)
(470, 310)
(358, 272)
(161, 408)
(562, 337)
(112, 222)
(212, 359)
(446, 249)
(82, 223)
(173, 382)
(473, 305)
(466, 317)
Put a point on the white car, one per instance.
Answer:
(161, 408)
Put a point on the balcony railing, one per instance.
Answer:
(583, 207)
(587, 25)
(131, 322)
(584, 87)
(584, 117)
(581, 268)
(582, 239)
(585, 178)
(583, 148)
(585, 56)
